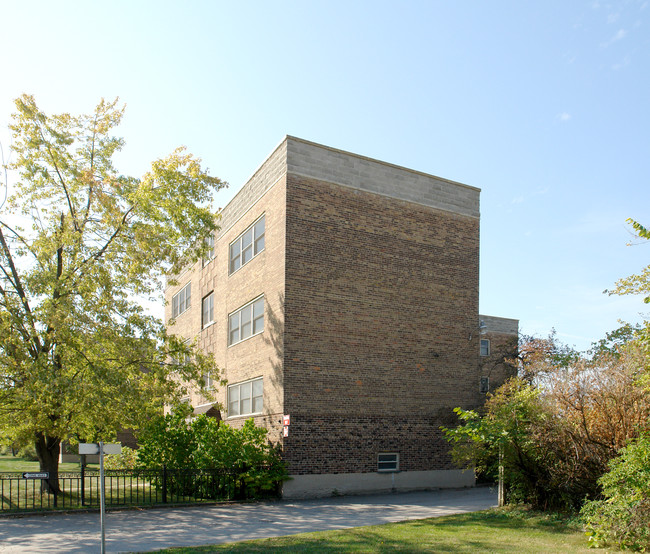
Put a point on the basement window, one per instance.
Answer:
(387, 462)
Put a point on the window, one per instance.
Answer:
(485, 347)
(181, 300)
(182, 359)
(246, 321)
(208, 310)
(207, 380)
(388, 461)
(247, 245)
(209, 244)
(246, 398)
(484, 386)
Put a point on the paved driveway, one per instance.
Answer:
(145, 530)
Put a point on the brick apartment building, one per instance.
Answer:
(343, 292)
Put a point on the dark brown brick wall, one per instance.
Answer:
(336, 444)
(380, 341)
(503, 347)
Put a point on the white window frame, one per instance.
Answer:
(387, 462)
(209, 313)
(235, 396)
(209, 240)
(239, 246)
(208, 381)
(236, 323)
(182, 300)
(186, 358)
(487, 342)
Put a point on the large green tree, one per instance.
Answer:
(79, 244)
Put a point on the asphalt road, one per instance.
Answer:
(146, 530)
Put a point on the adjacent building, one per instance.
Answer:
(342, 291)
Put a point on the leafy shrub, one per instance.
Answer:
(28, 452)
(178, 442)
(125, 460)
(514, 427)
(622, 518)
(558, 432)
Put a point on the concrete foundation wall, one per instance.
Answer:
(318, 486)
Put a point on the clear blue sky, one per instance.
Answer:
(545, 106)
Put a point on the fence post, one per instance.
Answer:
(240, 493)
(83, 480)
(164, 484)
(54, 491)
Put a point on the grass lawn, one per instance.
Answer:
(496, 530)
(14, 463)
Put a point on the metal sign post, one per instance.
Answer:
(102, 501)
(101, 449)
(501, 500)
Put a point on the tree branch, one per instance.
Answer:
(92, 173)
(73, 212)
(19, 289)
(20, 238)
(108, 242)
(56, 293)
(19, 325)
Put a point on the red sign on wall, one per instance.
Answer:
(287, 420)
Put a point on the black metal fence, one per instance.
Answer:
(124, 488)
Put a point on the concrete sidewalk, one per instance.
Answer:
(145, 530)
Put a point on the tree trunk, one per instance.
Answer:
(47, 450)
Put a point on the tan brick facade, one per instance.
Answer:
(370, 281)
(260, 355)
